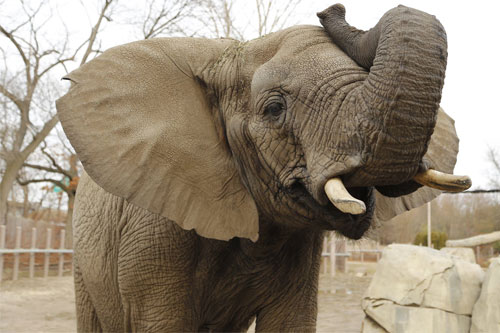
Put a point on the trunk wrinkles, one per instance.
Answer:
(396, 107)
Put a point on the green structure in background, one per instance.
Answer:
(65, 181)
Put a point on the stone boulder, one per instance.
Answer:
(486, 313)
(369, 326)
(465, 253)
(418, 289)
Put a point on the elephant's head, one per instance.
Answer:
(215, 134)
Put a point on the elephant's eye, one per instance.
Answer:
(274, 109)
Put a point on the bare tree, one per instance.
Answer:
(18, 89)
(159, 18)
(272, 15)
(493, 158)
(57, 163)
(165, 17)
(218, 17)
(62, 171)
(262, 17)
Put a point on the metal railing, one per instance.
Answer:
(337, 261)
(17, 251)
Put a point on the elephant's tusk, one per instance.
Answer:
(340, 198)
(443, 181)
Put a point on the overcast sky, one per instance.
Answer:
(471, 91)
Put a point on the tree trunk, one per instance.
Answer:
(16, 163)
(9, 177)
(3, 205)
(59, 199)
(69, 222)
(26, 203)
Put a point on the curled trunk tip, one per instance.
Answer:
(360, 45)
(337, 11)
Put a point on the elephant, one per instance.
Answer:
(214, 167)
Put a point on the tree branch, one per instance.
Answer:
(4, 91)
(95, 30)
(21, 131)
(58, 62)
(40, 167)
(43, 180)
(38, 138)
(20, 50)
(56, 165)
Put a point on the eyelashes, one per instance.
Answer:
(274, 109)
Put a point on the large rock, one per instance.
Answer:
(370, 326)
(486, 314)
(418, 289)
(465, 253)
(392, 317)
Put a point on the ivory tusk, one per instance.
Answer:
(443, 181)
(340, 197)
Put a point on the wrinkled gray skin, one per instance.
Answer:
(293, 110)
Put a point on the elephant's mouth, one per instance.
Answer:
(329, 217)
(350, 210)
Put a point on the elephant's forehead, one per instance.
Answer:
(318, 61)
(303, 59)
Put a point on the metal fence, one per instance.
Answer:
(27, 252)
(335, 260)
(48, 261)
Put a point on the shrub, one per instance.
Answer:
(496, 246)
(438, 238)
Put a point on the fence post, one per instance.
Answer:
(340, 261)
(362, 256)
(325, 260)
(332, 257)
(2, 246)
(61, 255)
(47, 255)
(15, 273)
(32, 254)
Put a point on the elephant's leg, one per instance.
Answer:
(96, 228)
(86, 316)
(155, 271)
(294, 307)
(292, 313)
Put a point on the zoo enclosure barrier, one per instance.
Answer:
(17, 251)
(342, 251)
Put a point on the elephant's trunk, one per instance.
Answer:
(396, 106)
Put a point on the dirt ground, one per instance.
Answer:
(48, 305)
(37, 305)
(339, 303)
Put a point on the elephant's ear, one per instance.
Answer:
(144, 128)
(442, 154)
